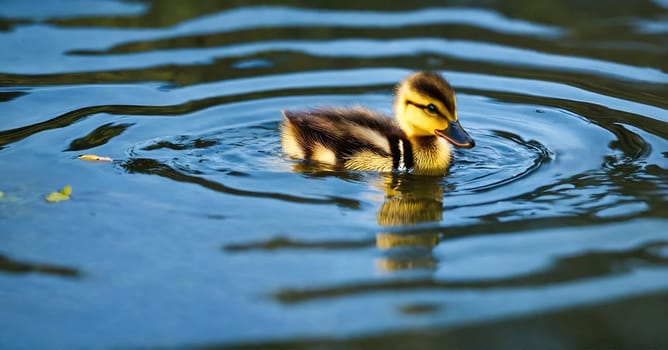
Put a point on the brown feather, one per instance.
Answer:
(346, 132)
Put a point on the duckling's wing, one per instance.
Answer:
(337, 136)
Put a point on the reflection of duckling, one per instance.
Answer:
(359, 139)
(404, 251)
(410, 200)
(388, 240)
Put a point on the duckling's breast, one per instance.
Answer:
(432, 156)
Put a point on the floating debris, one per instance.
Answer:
(62, 195)
(94, 158)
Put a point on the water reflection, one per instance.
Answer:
(409, 200)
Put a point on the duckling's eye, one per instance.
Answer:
(431, 108)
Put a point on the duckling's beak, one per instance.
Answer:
(456, 135)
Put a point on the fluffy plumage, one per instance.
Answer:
(360, 139)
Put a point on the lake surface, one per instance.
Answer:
(551, 233)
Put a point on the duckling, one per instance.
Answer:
(359, 139)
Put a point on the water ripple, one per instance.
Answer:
(49, 99)
(259, 17)
(561, 205)
(54, 9)
(360, 48)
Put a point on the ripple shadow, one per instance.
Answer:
(19, 267)
(588, 265)
(154, 167)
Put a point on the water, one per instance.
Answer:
(551, 232)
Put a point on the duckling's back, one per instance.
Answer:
(354, 138)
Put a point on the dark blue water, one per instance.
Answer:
(551, 232)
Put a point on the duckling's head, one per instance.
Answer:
(425, 105)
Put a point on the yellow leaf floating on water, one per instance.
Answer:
(2, 194)
(62, 195)
(94, 158)
(67, 190)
